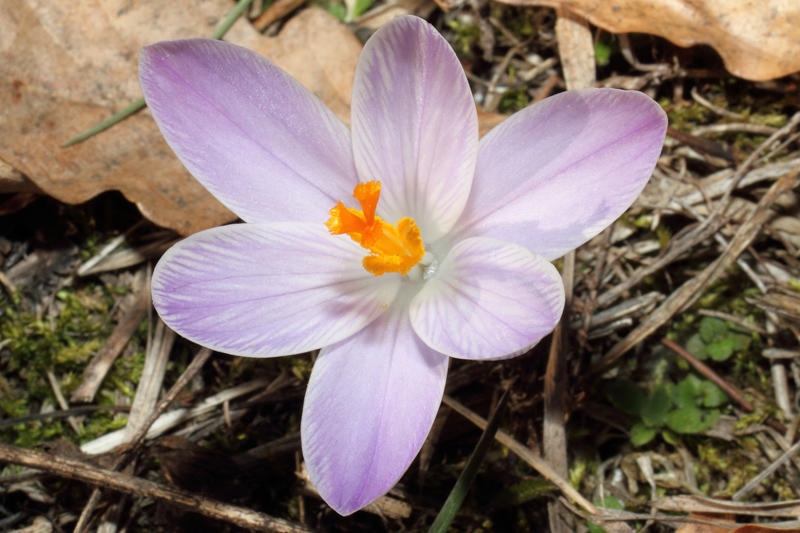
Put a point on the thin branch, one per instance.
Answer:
(128, 484)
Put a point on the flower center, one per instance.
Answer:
(392, 248)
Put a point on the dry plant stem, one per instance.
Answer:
(735, 394)
(555, 402)
(749, 229)
(155, 365)
(276, 11)
(735, 127)
(167, 421)
(716, 109)
(733, 319)
(131, 257)
(687, 293)
(125, 483)
(97, 369)
(750, 161)
(713, 222)
(107, 249)
(55, 415)
(780, 383)
(62, 402)
(706, 229)
(780, 461)
(190, 372)
(724, 243)
(527, 455)
(576, 48)
(700, 504)
(611, 520)
(137, 439)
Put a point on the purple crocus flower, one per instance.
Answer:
(464, 273)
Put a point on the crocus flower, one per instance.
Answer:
(392, 246)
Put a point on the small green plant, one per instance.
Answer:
(465, 36)
(689, 407)
(603, 50)
(610, 502)
(715, 340)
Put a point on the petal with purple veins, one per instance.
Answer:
(265, 290)
(487, 300)
(557, 173)
(259, 141)
(370, 404)
(414, 123)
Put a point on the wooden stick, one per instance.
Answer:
(138, 436)
(128, 484)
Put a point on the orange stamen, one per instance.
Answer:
(392, 248)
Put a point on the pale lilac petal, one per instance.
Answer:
(414, 125)
(264, 290)
(259, 141)
(557, 173)
(370, 404)
(489, 299)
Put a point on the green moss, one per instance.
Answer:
(466, 37)
(62, 344)
(514, 99)
(686, 117)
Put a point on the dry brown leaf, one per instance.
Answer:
(756, 528)
(65, 66)
(757, 39)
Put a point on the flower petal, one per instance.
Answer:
(264, 290)
(259, 141)
(557, 173)
(369, 406)
(487, 300)
(414, 125)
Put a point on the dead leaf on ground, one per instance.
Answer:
(64, 67)
(757, 40)
(756, 528)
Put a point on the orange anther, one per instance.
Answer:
(392, 248)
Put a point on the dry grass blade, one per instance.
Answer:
(702, 232)
(130, 257)
(555, 403)
(101, 363)
(688, 504)
(137, 438)
(169, 420)
(777, 463)
(692, 289)
(527, 455)
(155, 365)
(576, 48)
(125, 483)
(276, 11)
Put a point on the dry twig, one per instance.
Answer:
(128, 484)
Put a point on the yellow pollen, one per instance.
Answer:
(392, 248)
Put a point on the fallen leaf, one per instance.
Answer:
(756, 528)
(65, 66)
(758, 40)
(700, 504)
